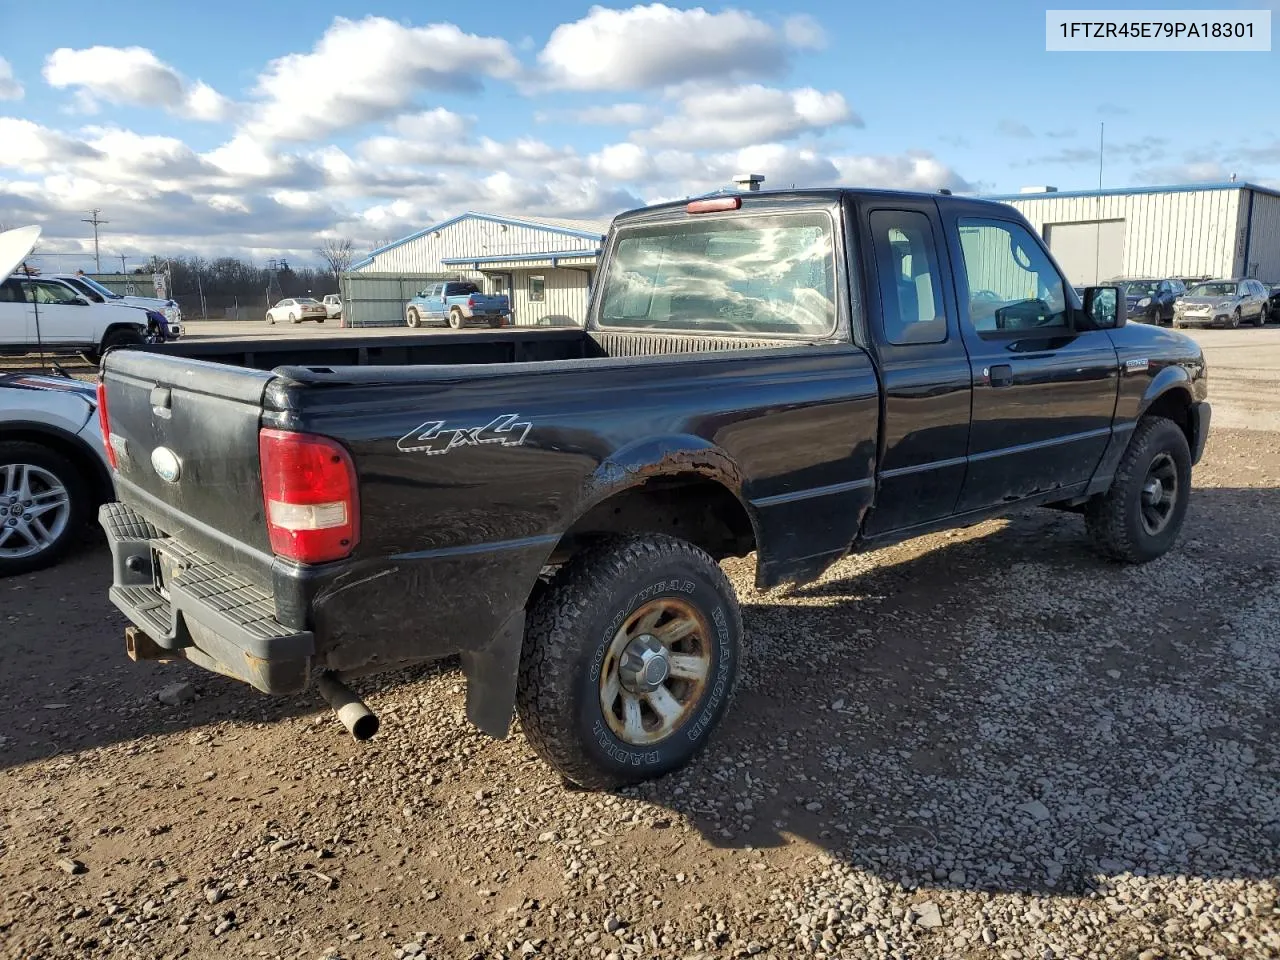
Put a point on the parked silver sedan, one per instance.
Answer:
(1222, 303)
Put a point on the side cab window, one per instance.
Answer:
(908, 277)
(1011, 285)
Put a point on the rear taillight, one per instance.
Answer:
(471, 300)
(105, 424)
(309, 491)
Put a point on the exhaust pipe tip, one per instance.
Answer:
(361, 722)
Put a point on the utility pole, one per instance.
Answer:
(95, 220)
(123, 268)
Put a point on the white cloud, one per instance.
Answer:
(618, 114)
(804, 33)
(739, 116)
(132, 75)
(624, 162)
(434, 124)
(911, 171)
(10, 89)
(656, 45)
(33, 148)
(367, 70)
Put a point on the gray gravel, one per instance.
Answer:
(980, 744)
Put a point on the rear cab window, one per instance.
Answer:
(765, 274)
(460, 289)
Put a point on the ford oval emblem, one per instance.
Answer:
(166, 464)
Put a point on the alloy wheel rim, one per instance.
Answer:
(35, 508)
(655, 671)
(1159, 494)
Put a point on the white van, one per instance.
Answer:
(39, 311)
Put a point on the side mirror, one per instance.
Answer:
(1104, 307)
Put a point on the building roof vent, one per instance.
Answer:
(748, 181)
(1045, 189)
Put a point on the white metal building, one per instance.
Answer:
(546, 266)
(1197, 230)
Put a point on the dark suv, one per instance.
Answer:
(1151, 300)
(1273, 303)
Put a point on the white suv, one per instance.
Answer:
(35, 311)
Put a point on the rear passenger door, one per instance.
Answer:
(1044, 392)
(923, 364)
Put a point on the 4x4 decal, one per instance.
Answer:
(434, 437)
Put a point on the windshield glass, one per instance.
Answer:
(307, 300)
(1213, 290)
(737, 274)
(1141, 288)
(98, 288)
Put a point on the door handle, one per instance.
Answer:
(1001, 375)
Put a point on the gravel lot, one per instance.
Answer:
(986, 743)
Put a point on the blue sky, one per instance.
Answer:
(255, 128)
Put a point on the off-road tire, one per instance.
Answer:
(1113, 519)
(72, 478)
(455, 318)
(412, 318)
(569, 628)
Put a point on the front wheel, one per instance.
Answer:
(43, 502)
(629, 661)
(412, 317)
(1139, 517)
(271, 319)
(1235, 320)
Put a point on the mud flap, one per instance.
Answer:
(491, 678)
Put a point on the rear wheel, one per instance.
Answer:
(455, 318)
(629, 661)
(293, 318)
(1139, 517)
(413, 318)
(43, 502)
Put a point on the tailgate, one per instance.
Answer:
(203, 418)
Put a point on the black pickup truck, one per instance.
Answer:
(796, 374)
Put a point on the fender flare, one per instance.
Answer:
(1170, 378)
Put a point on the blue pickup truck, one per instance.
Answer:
(458, 303)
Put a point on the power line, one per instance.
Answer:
(95, 220)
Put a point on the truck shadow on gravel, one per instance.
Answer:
(1008, 712)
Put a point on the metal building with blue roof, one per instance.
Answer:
(1195, 230)
(546, 266)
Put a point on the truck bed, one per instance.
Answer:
(482, 347)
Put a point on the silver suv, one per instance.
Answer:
(1222, 303)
